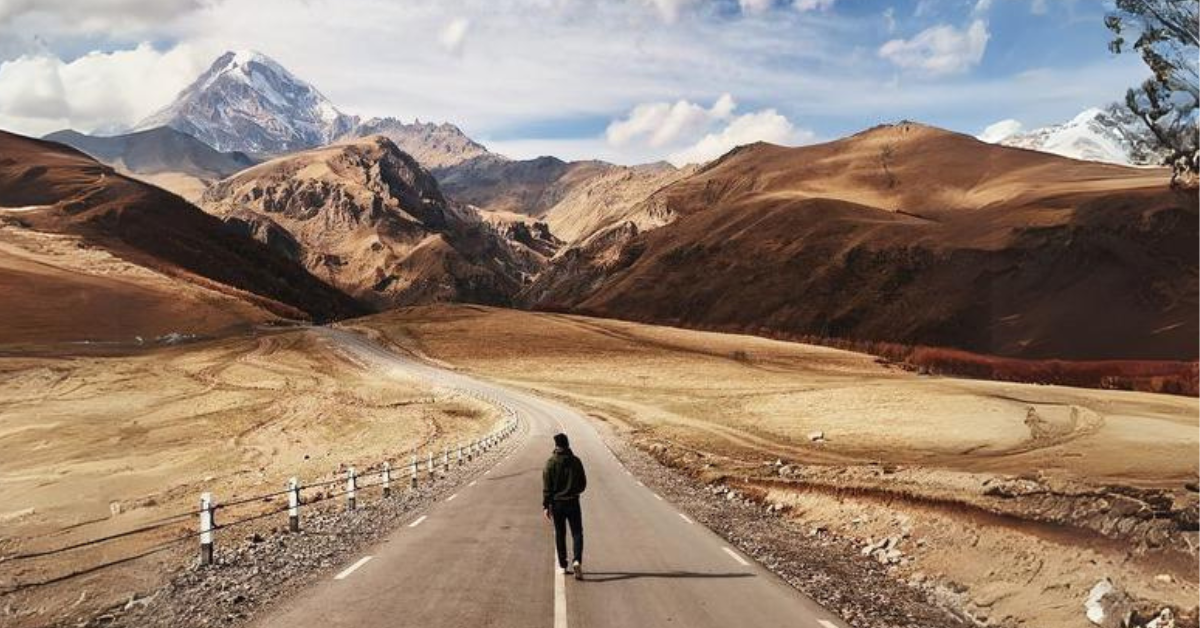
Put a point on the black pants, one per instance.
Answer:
(566, 513)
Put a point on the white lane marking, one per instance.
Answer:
(472, 483)
(640, 483)
(657, 496)
(628, 473)
(736, 557)
(560, 597)
(826, 623)
(684, 517)
(451, 498)
(418, 521)
(349, 570)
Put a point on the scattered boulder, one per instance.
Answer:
(1108, 606)
(1164, 619)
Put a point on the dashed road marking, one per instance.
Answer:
(826, 623)
(736, 556)
(657, 496)
(451, 498)
(640, 483)
(418, 521)
(684, 517)
(349, 570)
(472, 483)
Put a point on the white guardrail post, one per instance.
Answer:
(387, 479)
(413, 470)
(460, 459)
(294, 505)
(429, 466)
(206, 529)
(351, 485)
(445, 460)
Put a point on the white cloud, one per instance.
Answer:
(755, 6)
(693, 133)
(1039, 7)
(1000, 131)
(889, 19)
(660, 124)
(572, 64)
(761, 126)
(811, 5)
(454, 35)
(42, 93)
(95, 14)
(670, 10)
(982, 7)
(940, 50)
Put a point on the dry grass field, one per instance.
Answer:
(1015, 490)
(111, 443)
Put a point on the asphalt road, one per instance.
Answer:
(485, 557)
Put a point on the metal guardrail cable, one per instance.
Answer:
(253, 498)
(386, 474)
(83, 572)
(95, 541)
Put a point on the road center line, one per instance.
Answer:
(560, 597)
(418, 521)
(736, 556)
(451, 498)
(349, 570)
(684, 517)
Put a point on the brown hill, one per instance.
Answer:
(367, 218)
(87, 253)
(906, 234)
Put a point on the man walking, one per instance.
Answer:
(562, 482)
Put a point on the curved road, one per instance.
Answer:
(485, 556)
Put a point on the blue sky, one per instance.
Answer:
(625, 80)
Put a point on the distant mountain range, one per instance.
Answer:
(903, 233)
(1110, 135)
(248, 102)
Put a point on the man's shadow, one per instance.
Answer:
(613, 576)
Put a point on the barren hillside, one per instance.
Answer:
(907, 234)
(367, 218)
(89, 254)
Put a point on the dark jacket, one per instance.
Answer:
(563, 478)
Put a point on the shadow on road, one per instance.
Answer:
(612, 576)
(493, 478)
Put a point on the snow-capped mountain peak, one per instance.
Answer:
(1111, 135)
(248, 102)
